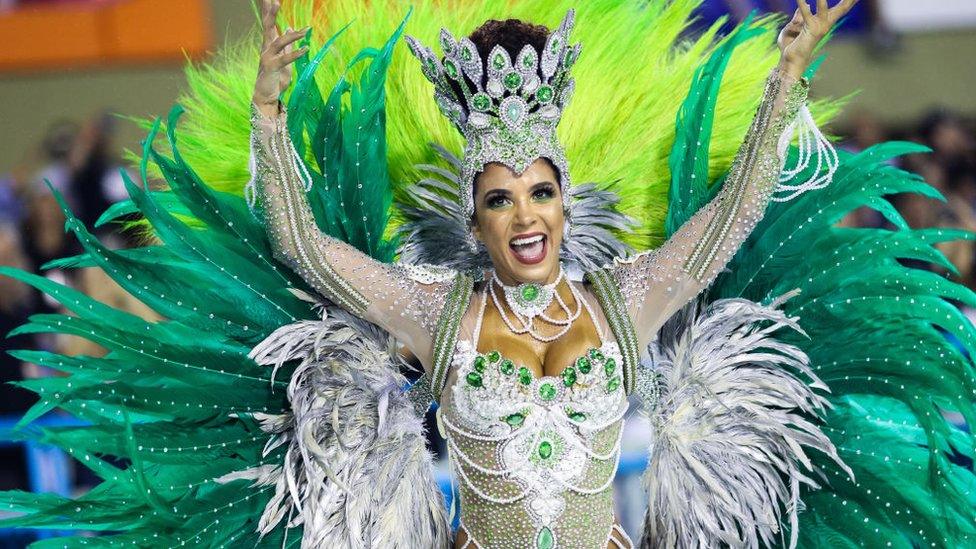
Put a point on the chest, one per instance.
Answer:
(542, 358)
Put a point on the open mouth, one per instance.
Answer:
(530, 248)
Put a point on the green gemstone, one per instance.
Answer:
(555, 43)
(512, 80)
(528, 62)
(613, 384)
(450, 69)
(544, 94)
(576, 416)
(595, 354)
(545, 539)
(530, 292)
(514, 111)
(609, 366)
(515, 420)
(507, 367)
(525, 376)
(545, 449)
(466, 53)
(547, 391)
(479, 364)
(493, 356)
(480, 102)
(584, 365)
(498, 61)
(474, 379)
(569, 376)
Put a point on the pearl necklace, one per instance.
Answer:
(529, 301)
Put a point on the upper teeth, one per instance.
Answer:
(527, 240)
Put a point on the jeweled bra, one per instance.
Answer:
(535, 456)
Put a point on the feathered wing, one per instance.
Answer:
(884, 337)
(196, 440)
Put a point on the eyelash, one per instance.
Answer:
(497, 201)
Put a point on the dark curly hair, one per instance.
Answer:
(511, 34)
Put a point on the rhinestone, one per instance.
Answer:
(512, 80)
(609, 366)
(544, 94)
(595, 354)
(584, 365)
(530, 292)
(479, 364)
(507, 367)
(613, 384)
(473, 379)
(466, 53)
(493, 356)
(525, 376)
(547, 391)
(450, 69)
(545, 449)
(545, 539)
(576, 416)
(569, 376)
(481, 101)
(498, 61)
(515, 419)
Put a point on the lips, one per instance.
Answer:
(529, 248)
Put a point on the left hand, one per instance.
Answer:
(801, 35)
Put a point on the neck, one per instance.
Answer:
(509, 280)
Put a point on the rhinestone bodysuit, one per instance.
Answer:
(535, 457)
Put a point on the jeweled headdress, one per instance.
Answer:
(510, 113)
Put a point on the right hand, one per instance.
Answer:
(277, 55)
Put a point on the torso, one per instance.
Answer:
(533, 431)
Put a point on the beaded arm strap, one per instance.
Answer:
(448, 327)
(608, 293)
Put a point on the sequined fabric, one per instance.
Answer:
(656, 283)
(405, 300)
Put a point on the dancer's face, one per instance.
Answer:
(519, 218)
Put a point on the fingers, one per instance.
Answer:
(269, 18)
(805, 11)
(841, 9)
(822, 8)
(291, 56)
(290, 37)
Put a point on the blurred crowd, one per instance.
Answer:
(81, 162)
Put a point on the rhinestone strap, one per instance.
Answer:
(757, 165)
(448, 327)
(615, 309)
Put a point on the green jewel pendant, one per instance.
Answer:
(545, 539)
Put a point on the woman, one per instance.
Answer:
(245, 415)
(532, 369)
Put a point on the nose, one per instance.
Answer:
(525, 214)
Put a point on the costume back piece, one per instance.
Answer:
(795, 373)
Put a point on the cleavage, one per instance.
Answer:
(542, 358)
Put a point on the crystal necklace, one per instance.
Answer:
(529, 301)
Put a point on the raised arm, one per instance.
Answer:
(656, 284)
(404, 300)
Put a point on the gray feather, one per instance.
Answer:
(356, 471)
(730, 414)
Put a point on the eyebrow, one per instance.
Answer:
(506, 192)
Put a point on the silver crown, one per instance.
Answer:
(512, 119)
